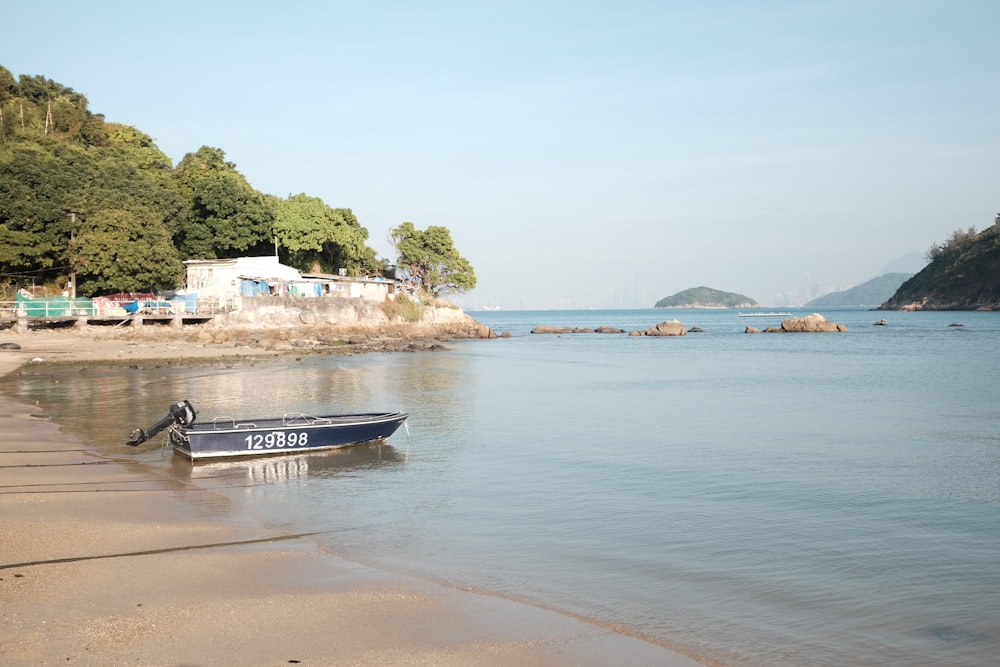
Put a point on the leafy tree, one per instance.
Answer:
(120, 250)
(40, 184)
(317, 237)
(428, 259)
(50, 188)
(35, 105)
(137, 148)
(959, 237)
(227, 217)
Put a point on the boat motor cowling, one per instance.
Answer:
(181, 413)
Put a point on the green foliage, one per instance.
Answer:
(964, 274)
(959, 237)
(429, 260)
(323, 239)
(226, 217)
(124, 251)
(36, 106)
(102, 200)
(705, 297)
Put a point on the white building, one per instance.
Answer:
(228, 280)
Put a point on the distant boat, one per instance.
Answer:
(768, 314)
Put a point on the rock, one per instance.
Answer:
(483, 331)
(814, 323)
(751, 329)
(267, 343)
(881, 323)
(9, 346)
(548, 329)
(696, 330)
(668, 328)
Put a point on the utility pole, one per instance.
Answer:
(72, 263)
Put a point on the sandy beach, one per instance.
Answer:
(106, 563)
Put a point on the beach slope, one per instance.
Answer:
(104, 562)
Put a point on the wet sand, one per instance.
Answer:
(105, 563)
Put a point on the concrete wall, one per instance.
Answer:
(293, 311)
(279, 311)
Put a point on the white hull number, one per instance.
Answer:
(277, 440)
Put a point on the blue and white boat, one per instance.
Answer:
(229, 438)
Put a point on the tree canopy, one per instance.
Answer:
(429, 260)
(100, 201)
(323, 239)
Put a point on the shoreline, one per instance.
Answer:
(105, 563)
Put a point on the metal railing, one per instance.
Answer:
(64, 307)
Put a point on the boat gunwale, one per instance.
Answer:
(279, 423)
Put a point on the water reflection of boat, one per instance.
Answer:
(276, 470)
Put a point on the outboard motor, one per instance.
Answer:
(181, 413)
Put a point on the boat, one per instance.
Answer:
(230, 438)
(769, 314)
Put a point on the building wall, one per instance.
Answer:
(221, 279)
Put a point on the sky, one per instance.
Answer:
(582, 154)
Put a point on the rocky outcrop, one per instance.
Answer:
(814, 323)
(668, 328)
(964, 274)
(548, 329)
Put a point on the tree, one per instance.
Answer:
(227, 216)
(317, 237)
(52, 188)
(124, 251)
(40, 184)
(429, 259)
(959, 238)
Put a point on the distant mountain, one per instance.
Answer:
(909, 263)
(964, 274)
(706, 297)
(872, 293)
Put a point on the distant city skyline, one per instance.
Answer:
(581, 154)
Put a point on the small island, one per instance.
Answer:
(706, 297)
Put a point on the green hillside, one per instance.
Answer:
(963, 274)
(706, 297)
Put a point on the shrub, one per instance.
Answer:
(403, 308)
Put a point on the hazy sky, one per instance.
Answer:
(582, 154)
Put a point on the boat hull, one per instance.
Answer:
(282, 435)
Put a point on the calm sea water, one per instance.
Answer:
(806, 499)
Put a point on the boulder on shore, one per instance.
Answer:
(668, 328)
(549, 329)
(810, 324)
